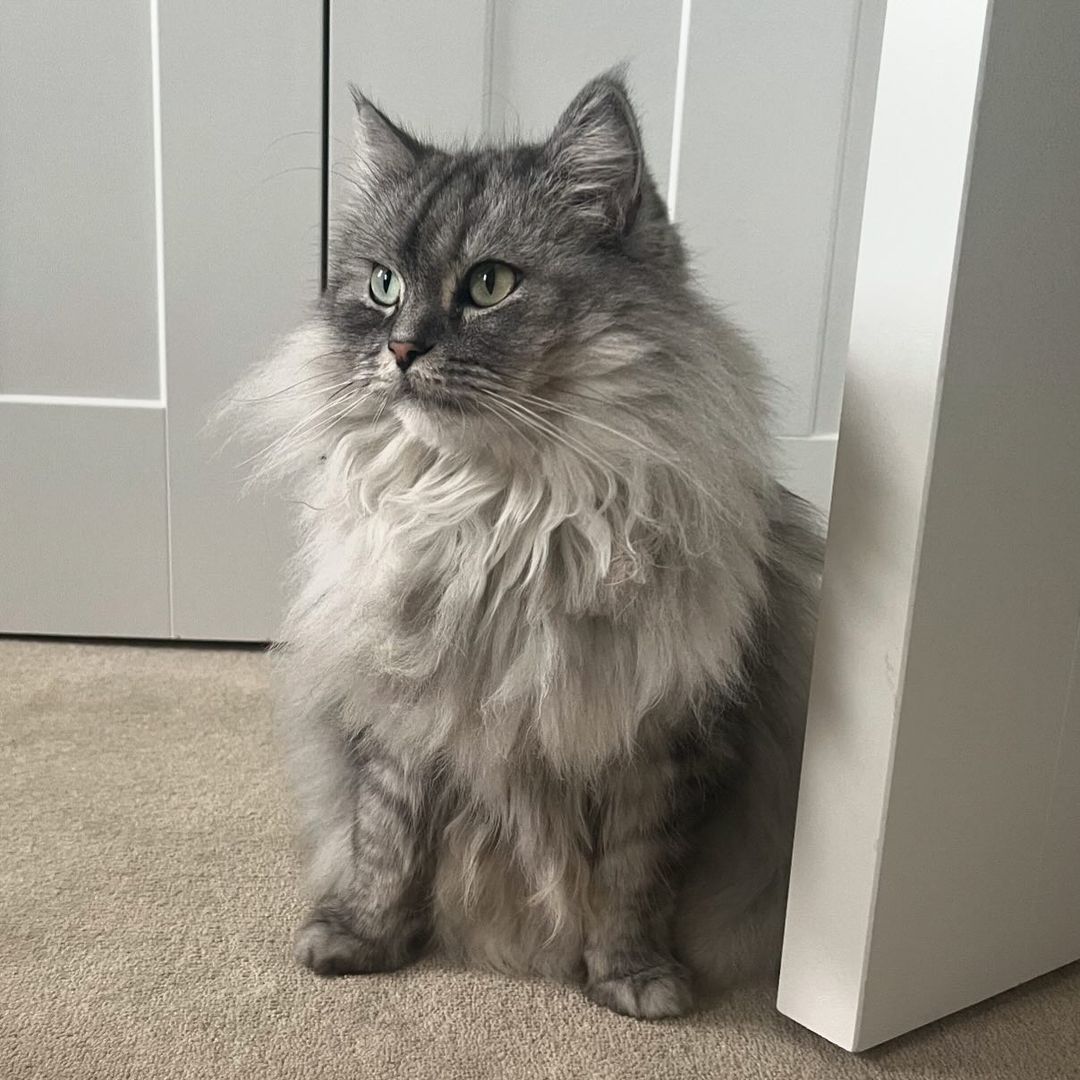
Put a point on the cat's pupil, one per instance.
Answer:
(384, 280)
(488, 278)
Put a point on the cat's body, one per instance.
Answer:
(546, 662)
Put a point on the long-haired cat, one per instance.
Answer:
(545, 664)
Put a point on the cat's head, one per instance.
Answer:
(468, 288)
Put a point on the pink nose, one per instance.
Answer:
(405, 352)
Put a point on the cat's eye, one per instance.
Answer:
(385, 286)
(489, 283)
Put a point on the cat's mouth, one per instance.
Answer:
(438, 383)
(428, 393)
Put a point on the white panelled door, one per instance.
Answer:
(84, 543)
(160, 224)
(161, 227)
(241, 91)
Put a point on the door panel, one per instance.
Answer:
(241, 99)
(77, 253)
(84, 545)
(763, 139)
(963, 910)
(83, 524)
(383, 49)
(542, 54)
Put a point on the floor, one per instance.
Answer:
(148, 892)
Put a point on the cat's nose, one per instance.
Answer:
(405, 352)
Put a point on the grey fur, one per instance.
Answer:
(545, 667)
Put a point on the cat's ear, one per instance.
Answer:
(381, 148)
(595, 155)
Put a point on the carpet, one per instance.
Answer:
(148, 894)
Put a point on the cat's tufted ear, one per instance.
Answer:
(381, 148)
(595, 155)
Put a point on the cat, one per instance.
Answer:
(544, 672)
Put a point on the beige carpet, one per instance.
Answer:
(147, 881)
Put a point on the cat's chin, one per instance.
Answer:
(439, 426)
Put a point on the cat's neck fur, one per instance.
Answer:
(589, 599)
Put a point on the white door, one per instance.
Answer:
(161, 226)
(83, 522)
(938, 851)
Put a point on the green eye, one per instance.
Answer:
(491, 282)
(385, 286)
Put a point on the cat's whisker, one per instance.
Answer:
(745, 435)
(508, 422)
(302, 428)
(675, 466)
(323, 391)
(282, 391)
(382, 406)
(326, 424)
(484, 407)
(537, 423)
(587, 454)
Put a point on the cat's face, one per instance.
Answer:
(471, 285)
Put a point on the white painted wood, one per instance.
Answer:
(426, 62)
(83, 524)
(987, 738)
(914, 192)
(805, 464)
(544, 53)
(839, 286)
(763, 144)
(77, 294)
(1058, 880)
(241, 99)
(83, 539)
(937, 859)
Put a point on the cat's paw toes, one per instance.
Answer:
(653, 994)
(329, 947)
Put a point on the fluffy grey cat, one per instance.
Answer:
(544, 670)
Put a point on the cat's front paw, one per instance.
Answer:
(329, 946)
(651, 994)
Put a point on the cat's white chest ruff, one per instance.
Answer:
(519, 608)
(454, 638)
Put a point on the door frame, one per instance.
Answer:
(935, 860)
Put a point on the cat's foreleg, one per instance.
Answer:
(628, 955)
(370, 861)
